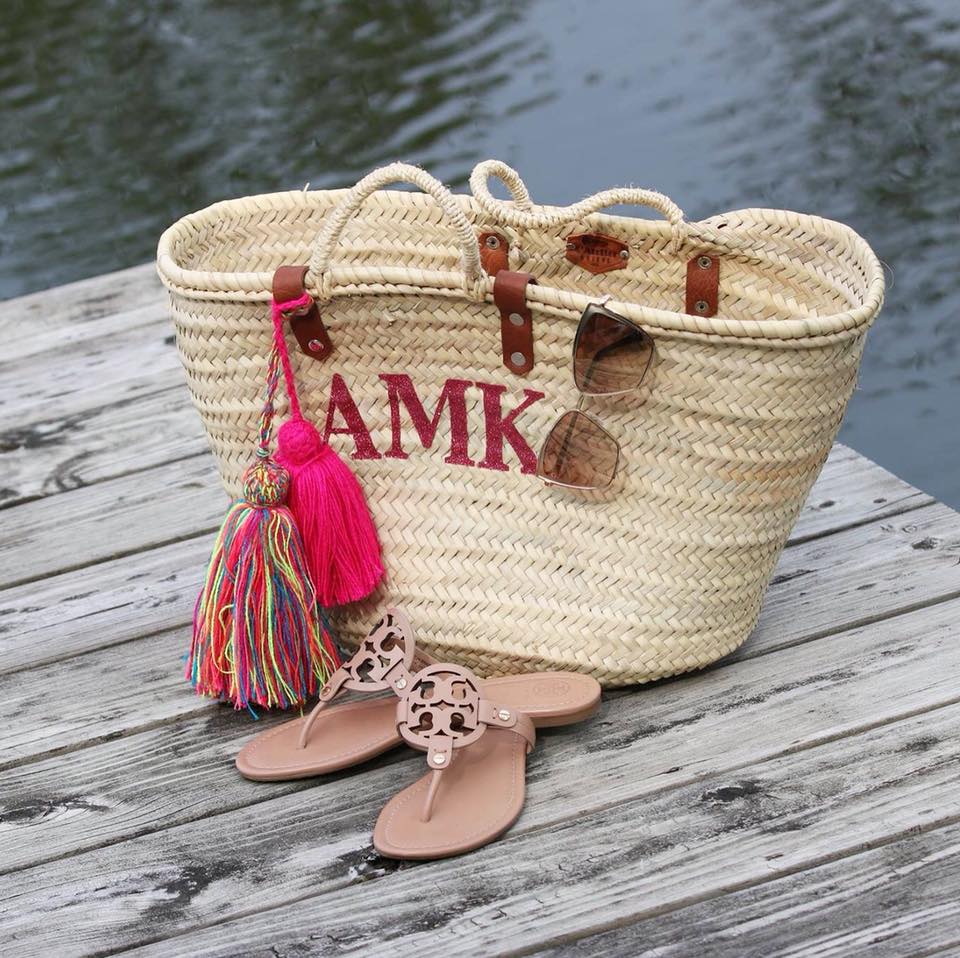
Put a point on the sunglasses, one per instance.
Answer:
(611, 356)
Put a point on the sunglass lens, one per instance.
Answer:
(578, 453)
(611, 354)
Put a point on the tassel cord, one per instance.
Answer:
(278, 311)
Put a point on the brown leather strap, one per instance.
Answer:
(703, 285)
(306, 323)
(516, 320)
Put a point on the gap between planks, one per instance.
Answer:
(691, 722)
(746, 832)
(826, 586)
(843, 908)
(189, 504)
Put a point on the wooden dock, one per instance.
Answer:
(801, 797)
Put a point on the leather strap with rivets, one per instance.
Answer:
(703, 285)
(305, 321)
(516, 320)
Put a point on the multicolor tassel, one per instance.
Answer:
(339, 537)
(258, 636)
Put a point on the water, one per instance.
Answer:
(117, 118)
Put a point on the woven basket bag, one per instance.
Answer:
(663, 572)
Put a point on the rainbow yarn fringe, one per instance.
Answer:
(259, 637)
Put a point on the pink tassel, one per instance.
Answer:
(341, 544)
(340, 540)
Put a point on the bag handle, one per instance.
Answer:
(329, 237)
(522, 214)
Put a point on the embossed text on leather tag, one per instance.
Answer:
(597, 252)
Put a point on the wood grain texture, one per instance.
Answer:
(114, 518)
(861, 575)
(798, 798)
(94, 697)
(667, 737)
(620, 862)
(118, 366)
(65, 340)
(51, 456)
(100, 605)
(899, 900)
(95, 605)
(850, 491)
(83, 301)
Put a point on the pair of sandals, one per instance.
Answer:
(476, 733)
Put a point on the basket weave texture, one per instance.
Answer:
(660, 574)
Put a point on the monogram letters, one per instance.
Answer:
(405, 405)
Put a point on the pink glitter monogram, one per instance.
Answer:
(500, 424)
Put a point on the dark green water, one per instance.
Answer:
(116, 118)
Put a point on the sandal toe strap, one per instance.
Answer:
(385, 659)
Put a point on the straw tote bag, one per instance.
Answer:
(758, 318)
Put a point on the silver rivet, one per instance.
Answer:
(493, 242)
(503, 715)
(704, 262)
(401, 683)
(315, 345)
(701, 305)
(516, 319)
(439, 758)
(624, 254)
(517, 359)
(571, 246)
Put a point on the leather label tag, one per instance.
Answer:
(597, 252)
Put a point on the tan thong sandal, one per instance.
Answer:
(477, 751)
(333, 737)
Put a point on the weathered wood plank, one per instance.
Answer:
(667, 736)
(132, 774)
(37, 607)
(861, 575)
(569, 874)
(113, 518)
(121, 787)
(83, 301)
(132, 361)
(60, 342)
(852, 490)
(894, 901)
(636, 859)
(101, 605)
(94, 697)
(819, 591)
(51, 456)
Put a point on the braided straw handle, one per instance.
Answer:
(319, 267)
(523, 214)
